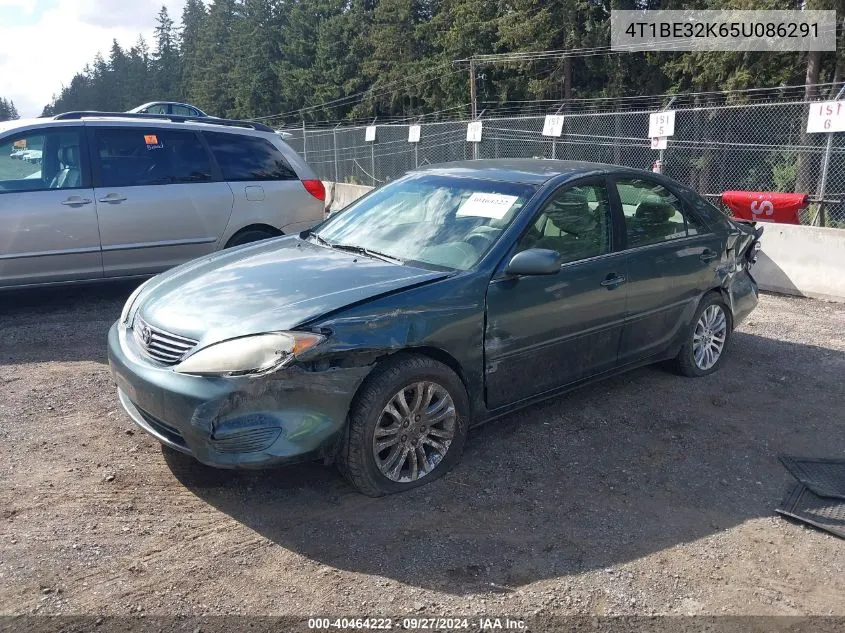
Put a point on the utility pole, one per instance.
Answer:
(472, 97)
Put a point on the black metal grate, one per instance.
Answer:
(822, 512)
(825, 477)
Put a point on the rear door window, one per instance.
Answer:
(138, 156)
(245, 158)
(653, 214)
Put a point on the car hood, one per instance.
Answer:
(274, 285)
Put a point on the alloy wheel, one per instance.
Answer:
(708, 339)
(414, 431)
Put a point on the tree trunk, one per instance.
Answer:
(567, 78)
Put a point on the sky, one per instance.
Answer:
(43, 43)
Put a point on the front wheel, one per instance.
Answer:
(704, 349)
(407, 426)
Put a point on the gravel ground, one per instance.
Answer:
(643, 494)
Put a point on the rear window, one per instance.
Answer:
(248, 158)
(140, 156)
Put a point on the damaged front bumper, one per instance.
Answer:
(292, 415)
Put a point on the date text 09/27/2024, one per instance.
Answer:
(418, 624)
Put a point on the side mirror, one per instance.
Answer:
(534, 261)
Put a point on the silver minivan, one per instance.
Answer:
(123, 195)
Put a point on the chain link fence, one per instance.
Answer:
(756, 146)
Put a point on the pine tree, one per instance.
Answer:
(212, 89)
(194, 16)
(166, 63)
(256, 53)
(138, 84)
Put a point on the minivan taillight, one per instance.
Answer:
(315, 188)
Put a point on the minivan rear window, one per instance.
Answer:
(248, 158)
(138, 156)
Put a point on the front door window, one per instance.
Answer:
(575, 222)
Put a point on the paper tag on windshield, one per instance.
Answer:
(487, 205)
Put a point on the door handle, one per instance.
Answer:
(613, 281)
(76, 201)
(112, 198)
(708, 255)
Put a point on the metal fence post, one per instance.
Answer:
(304, 145)
(825, 167)
(660, 156)
(334, 144)
(554, 138)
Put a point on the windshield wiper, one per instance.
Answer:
(321, 240)
(352, 248)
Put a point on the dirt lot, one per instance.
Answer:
(648, 493)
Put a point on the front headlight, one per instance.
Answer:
(257, 354)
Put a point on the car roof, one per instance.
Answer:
(533, 171)
(152, 103)
(139, 120)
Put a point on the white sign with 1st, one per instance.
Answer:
(553, 125)
(827, 116)
(370, 134)
(413, 133)
(661, 123)
(474, 132)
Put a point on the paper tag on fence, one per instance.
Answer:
(474, 132)
(659, 142)
(553, 125)
(661, 123)
(828, 116)
(370, 134)
(487, 205)
(414, 134)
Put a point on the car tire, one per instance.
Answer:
(712, 321)
(248, 236)
(440, 390)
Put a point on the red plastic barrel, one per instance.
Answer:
(766, 206)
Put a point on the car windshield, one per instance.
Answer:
(441, 221)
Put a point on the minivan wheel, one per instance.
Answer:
(708, 336)
(250, 235)
(407, 426)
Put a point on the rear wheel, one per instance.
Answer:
(250, 235)
(407, 426)
(704, 349)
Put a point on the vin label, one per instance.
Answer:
(723, 30)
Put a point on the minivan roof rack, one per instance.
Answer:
(175, 118)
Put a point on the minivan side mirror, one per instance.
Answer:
(534, 261)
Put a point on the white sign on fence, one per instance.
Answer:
(661, 123)
(553, 125)
(413, 133)
(659, 142)
(474, 132)
(828, 116)
(370, 134)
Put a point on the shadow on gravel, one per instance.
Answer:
(64, 323)
(612, 472)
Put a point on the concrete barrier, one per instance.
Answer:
(807, 261)
(341, 194)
